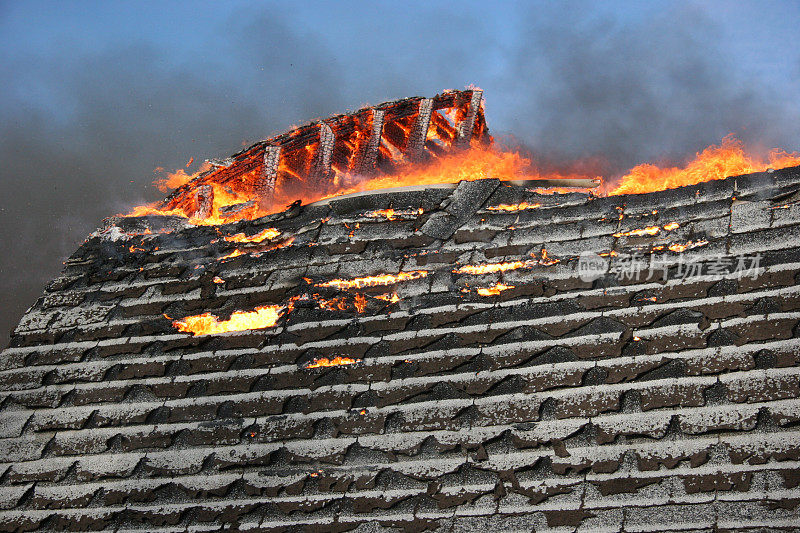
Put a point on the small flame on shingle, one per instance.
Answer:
(494, 290)
(336, 361)
(371, 281)
(513, 207)
(265, 316)
(269, 233)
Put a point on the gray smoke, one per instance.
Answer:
(566, 82)
(657, 91)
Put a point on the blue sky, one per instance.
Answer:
(98, 94)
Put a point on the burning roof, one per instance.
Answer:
(416, 359)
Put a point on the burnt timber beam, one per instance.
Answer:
(203, 201)
(464, 128)
(265, 183)
(322, 165)
(370, 155)
(419, 133)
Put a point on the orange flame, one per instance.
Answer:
(173, 180)
(479, 162)
(547, 260)
(237, 200)
(371, 281)
(649, 230)
(258, 250)
(713, 163)
(269, 233)
(494, 290)
(391, 214)
(235, 253)
(336, 361)
(490, 268)
(513, 207)
(265, 316)
(678, 247)
(360, 303)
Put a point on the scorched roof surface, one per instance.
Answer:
(563, 404)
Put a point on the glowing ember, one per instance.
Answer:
(360, 303)
(218, 280)
(371, 281)
(258, 250)
(235, 253)
(336, 361)
(671, 226)
(391, 214)
(650, 230)
(713, 163)
(677, 247)
(269, 233)
(333, 304)
(391, 298)
(490, 268)
(494, 290)
(513, 207)
(265, 316)
(546, 260)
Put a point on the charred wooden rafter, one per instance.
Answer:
(358, 143)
